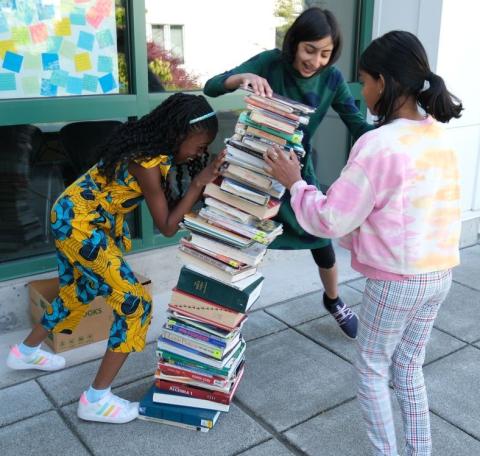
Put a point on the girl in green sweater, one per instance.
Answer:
(303, 70)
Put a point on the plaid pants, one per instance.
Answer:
(395, 322)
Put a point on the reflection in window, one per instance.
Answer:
(59, 48)
(37, 163)
(185, 52)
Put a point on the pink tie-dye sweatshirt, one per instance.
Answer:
(396, 203)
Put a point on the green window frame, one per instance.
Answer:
(138, 103)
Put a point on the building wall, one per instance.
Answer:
(442, 26)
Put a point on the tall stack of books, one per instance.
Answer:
(201, 352)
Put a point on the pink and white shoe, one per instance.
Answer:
(109, 409)
(40, 360)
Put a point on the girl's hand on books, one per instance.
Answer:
(211, 171)
(259, 85)
(283, 167)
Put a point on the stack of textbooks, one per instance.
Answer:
(201, 351)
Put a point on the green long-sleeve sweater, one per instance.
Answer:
(325, 89)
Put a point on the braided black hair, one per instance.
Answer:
(161, 132)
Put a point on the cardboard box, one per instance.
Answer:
(94, 326)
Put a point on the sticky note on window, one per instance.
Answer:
(104, 39)
(74, 85)
(68, 49)
(45, 12)
(83, 62)
(39, 32)
(105, 64)
(94, 18)
(6, 45)
(3, 23)
(54, 43)
(20, 35)
(31, 61)
(85, 40)
(47, 89)
(104, 7)
(7, 82)
(63, 28)
(12, 62)
(59, 78)
(50, 61)
(30, 85)
(107, 83)
(90, 83)
(66, 6)
(77, 17)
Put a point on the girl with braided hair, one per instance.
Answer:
(90, 233)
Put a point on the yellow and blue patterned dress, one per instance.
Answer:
(90, 231)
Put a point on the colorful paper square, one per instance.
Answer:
(104, 39)
(77, 17)
(31, 61)
(66, 7)
(59, 78)
(45, 12)
(104, 7)
(3, 23)
(63, 28)
(20, 35)
(94, 18)
(54, 43)
(82, 62)
(68, 49)
(50, 61)
(105, 64)
(90, 83)
(30, 85)
(7, 82)
(74, 85)
(107, 83)
(85, 40)
(47, 89)
(12, 62)
(39, 32)
(6, 45)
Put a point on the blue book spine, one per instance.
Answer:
(187, 415)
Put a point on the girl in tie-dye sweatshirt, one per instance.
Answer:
(396, 207)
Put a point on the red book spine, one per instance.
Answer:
(214, 396)
(170, 370)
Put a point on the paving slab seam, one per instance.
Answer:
(64, 418)
(270, 429)
(298, 331)
(444, 331)
(437, 414)
(251, 447)
(466, 286)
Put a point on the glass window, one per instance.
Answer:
(56, 48)
(183, 52)
(37, 163)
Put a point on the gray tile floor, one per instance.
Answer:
(297, 397)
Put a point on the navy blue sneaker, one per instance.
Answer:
(345, 317)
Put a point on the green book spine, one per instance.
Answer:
(214, 291)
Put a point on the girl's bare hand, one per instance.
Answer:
(211, 171)
(284, 167)
(259, 85)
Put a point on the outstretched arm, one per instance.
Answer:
(149, 180)
(344, 208)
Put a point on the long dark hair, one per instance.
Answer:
(312, 25)
(402, 61)
(161, 132)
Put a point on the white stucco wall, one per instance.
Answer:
(449, 31)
